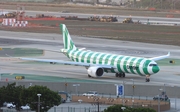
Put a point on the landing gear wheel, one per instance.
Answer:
(89, 75)
(116, 74)
(120, 74)
(147, 80)
(123, 75)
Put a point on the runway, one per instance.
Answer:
(169, 75)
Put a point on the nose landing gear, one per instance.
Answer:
(147, 78)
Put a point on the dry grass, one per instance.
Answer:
(131, 32)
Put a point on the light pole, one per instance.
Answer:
(0, 77)
(76, 85)
(124, 91)
(39, 95)
(133, 87)
(65, 83)
(164, 88)
(159, 108)
(174, 97)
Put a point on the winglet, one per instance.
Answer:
(160, 57)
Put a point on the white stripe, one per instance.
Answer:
(92, 57)
(150, 69)
(141, 67)
(97, 59)
(134, 64)
(70, 54)
(110, 59)
(80, 56)
(122, 63)
(74, 56)
(128, 63)
(86, 57)
(69, 41)
(115, 63)
(104, 58)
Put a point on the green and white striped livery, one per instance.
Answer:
(68, 43)
(97, 63)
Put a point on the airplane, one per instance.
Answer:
(97, 63)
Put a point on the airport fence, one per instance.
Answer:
(78, 109)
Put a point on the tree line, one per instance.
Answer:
(20, 96)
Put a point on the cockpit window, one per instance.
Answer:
(153, 65)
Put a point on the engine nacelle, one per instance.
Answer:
(95, 71)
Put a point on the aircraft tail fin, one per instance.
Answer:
(68, 43)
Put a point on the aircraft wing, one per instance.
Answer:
(160, 57)
(69, 63)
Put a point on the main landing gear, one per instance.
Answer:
(120, 75)
(147, 78)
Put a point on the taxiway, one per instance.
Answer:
(52, 43)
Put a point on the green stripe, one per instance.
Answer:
(138, 65)
(98, 58)
(145, 68)
(89, 57)
(66, 40)
(124, 64)
(86, 56)
(95, 57)
(72, 54)
(101, 58)
(131, 64)
(118, 63)
(107, 59)
(68, 53)
(83, 56)
(77, 56)
(72, 45)
(112, 62)
(80, 55)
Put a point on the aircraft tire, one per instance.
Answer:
(123, 75)
(147, 80)
(120, 75)
(116, 74)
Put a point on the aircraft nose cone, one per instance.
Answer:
(155, 69)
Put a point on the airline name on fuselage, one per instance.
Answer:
(132, 67)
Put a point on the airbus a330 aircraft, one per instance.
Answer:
(97, 63)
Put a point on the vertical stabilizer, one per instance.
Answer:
(68, 43)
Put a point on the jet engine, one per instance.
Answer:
(95, 71)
